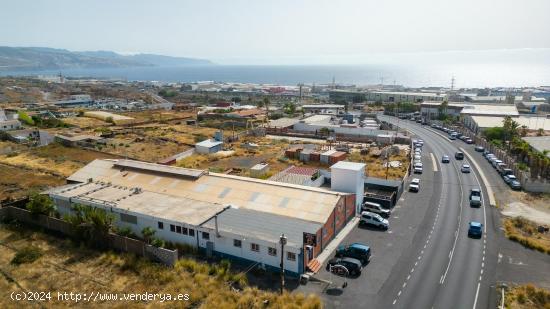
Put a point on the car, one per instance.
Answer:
(417, 168)
(356, 250)
(506, 171)
(370, 218)
(445, 159)
(485, 152)
(459, 155)
(475, 229)
(509, 178)
(465, 168)
(353, 266)
(496, 162)
(376, 208)
(515, 185)
(475, 197)
(417, 157)
(414, 186)
(452, 137)
(500, 167)
(479, 149)
(488, 155)
(469, 141)
(434, 125)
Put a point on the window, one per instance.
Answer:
(205, 235)
(255, 247)
(161, 225)
(291, 256)
(191, 232)
(178, 229)
(237, 243)
(128, 218)
(172, 228)
(184, 230)
(272, 251)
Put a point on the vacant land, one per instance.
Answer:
(527, 297)
(16, 182)
(53, 159)
(526, 233)
(47, 263)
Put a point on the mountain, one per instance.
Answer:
(43, 58)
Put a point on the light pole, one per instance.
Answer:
(282, 241)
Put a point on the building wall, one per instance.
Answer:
(224, 245)
(9, 125)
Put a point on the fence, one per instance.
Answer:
(114, 241)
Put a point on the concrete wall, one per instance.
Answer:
(348, 181)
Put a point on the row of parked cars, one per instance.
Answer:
(501, 167)
(453, 135)
(417, 157)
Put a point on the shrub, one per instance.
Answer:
(126, 232)
(23, 116)
(40, 204)
(157, 242)
(27, 254)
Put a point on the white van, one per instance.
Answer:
(370, 218)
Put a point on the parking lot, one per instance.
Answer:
(411, 213)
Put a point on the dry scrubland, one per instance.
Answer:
(525, 232)
(527, 297)
(16, 182)
(62, 266)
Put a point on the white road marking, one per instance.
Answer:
(412, 270)
(434, 162)
(394, 301)
(408, 277)
(475, 299)
(399, 294)
(404, 284)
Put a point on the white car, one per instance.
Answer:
(417, 157)
(370, 218)
(465, 168)
(417, 168)
(414, 186)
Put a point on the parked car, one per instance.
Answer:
(445, 159)
(469, 141)
(414, 186)
(465, 168)
(452, 137)
(475, 229)
(417, 157)
(500, 167)
(418, 168)
(515, 185)
(479, 149)
(357, 251)
(506, 171)
(370, 218)
(509, 178)
(496, 162)
(459, 155)
(475, 197)
(376, 208)
(353, 266)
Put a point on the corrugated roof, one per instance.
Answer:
(144, 166)
(306, 203)
(264, 226)
(209, 143)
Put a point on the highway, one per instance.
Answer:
(443, 268)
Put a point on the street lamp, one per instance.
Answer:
(282, 241)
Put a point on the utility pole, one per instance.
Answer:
(282, 241)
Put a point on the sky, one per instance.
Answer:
(278, 32)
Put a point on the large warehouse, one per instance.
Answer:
(230, 216)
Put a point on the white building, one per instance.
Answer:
(230, 216)
(208, 146)
(349, 177)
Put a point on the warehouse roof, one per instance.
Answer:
(532, 123)
(129, 200)
(539, 143)
(301, 202)
(263, 226)
(490, 109)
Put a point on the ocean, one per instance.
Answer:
(522, 70)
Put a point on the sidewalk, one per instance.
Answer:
(327, 252)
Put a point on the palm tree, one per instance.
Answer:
(148, 234)
(266, 103)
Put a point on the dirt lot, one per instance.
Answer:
(53, 159)
(16, 182)
(527, 297)
(66, 267)
(85, 122)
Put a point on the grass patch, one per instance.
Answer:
(527, 296)
(526, 232)
(27, 255)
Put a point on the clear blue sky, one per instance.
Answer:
(282, 31)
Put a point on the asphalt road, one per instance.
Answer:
(444, 268)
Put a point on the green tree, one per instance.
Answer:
(23, 116)
(540, 132)
(148, 233)
(91, 224)
(442, 109)
(40, 204)
(324, 131)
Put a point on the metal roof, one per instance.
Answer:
(264, 226)
(345, 165)
(209, 143)
(539, 143)
(157, 168)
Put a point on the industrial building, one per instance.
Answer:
(384, 96)
(230, 216)
(8, 123)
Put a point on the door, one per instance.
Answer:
(209, 248)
